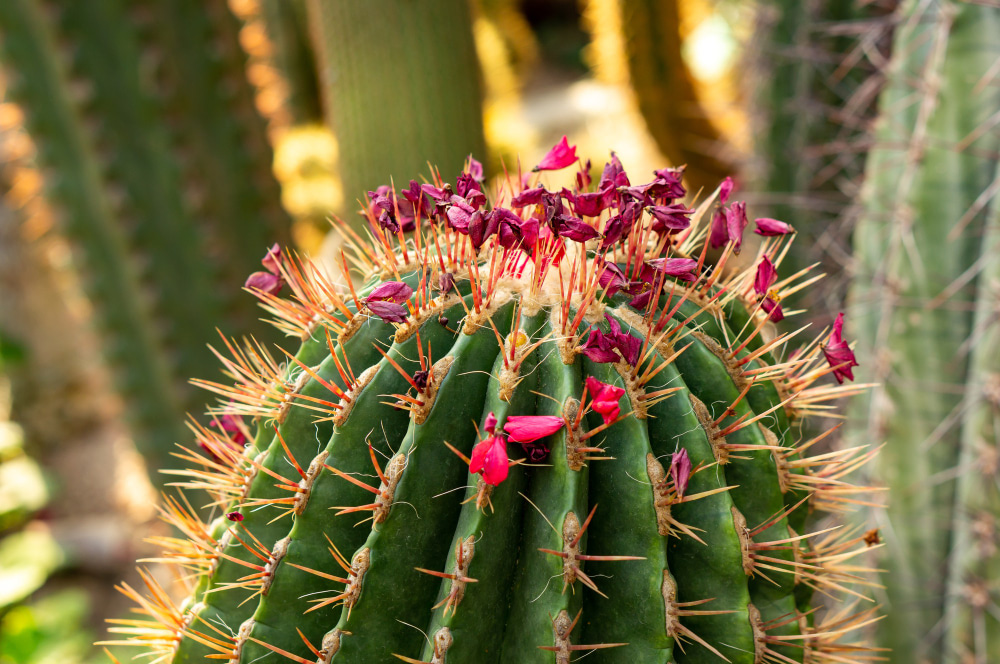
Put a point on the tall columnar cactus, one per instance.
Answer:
(816, 77)
(541, 427)
(157, 165)
(638, 42)
(925, 311)
(383, 60)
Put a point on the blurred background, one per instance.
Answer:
(150, 152)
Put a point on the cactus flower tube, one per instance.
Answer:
(517, 440)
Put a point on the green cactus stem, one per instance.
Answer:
(925, 255)
(514, 444)
(157, 183)
(384, 60)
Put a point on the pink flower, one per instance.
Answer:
(390, 312)
(717, 234)
(529, 428)
(612, 279)
(772, 227)
(560, 156)
(725, 189)
(682, 268)
(736, 222)
(599, 347)
(489, 459)
(604, 399)
(680, 471)
(270, 282)
(838, 353)
(766, 276)
(773, 309)
(396, 292)
(670, 218)
(490, 425)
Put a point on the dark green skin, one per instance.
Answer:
(392, 590)
(642, 625)
(476, 623)
(372, 420)
(537, 595)
(303, 438)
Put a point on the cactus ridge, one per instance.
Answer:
(668, 512)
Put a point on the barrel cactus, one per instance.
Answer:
(542, 427)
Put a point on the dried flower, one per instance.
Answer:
(838, 354)
(772, 227)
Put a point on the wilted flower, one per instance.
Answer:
(772, 227)
(766, 276)
(270, 282)
(386, 301)
(838, 353)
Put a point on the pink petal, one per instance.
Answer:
(725, 189)
(772, 227)
(560, 156)
(490, 425)
(265, 281)
(680, 471)
(838, 354)
(390, 291)
(529, 428)
(604, 399)
(766, 276)
(390, 312)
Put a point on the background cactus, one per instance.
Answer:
(541, 426)
(157, 167)
(925, 271)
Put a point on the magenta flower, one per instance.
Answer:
(612, 279)
(604, 399)
(270, 282)
(773, 309)
(718, 235)
(629, 346)
(234, 516)
(475, 169)
(390, 291)
(390, 312)
(489, 459)
(529, 428)
(560, 156)
(528, 197)
(386, 301)
(514, 231)
(589, 205)
(682, 268)
(736, 222)
(670, 218)
(575, 229)
(680, 471)
(265, 282)
(772, 227)
(838, 354)
(490, 425)
(725, 189)
(272, 260)
(599, 348)
(766, 276)
(481, 227)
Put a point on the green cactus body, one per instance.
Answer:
(651, 503)
(149, 145)
(925, 264)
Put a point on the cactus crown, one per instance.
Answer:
(543, 426)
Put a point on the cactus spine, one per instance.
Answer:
(925, 252)
(655, 509)
(155, 181)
